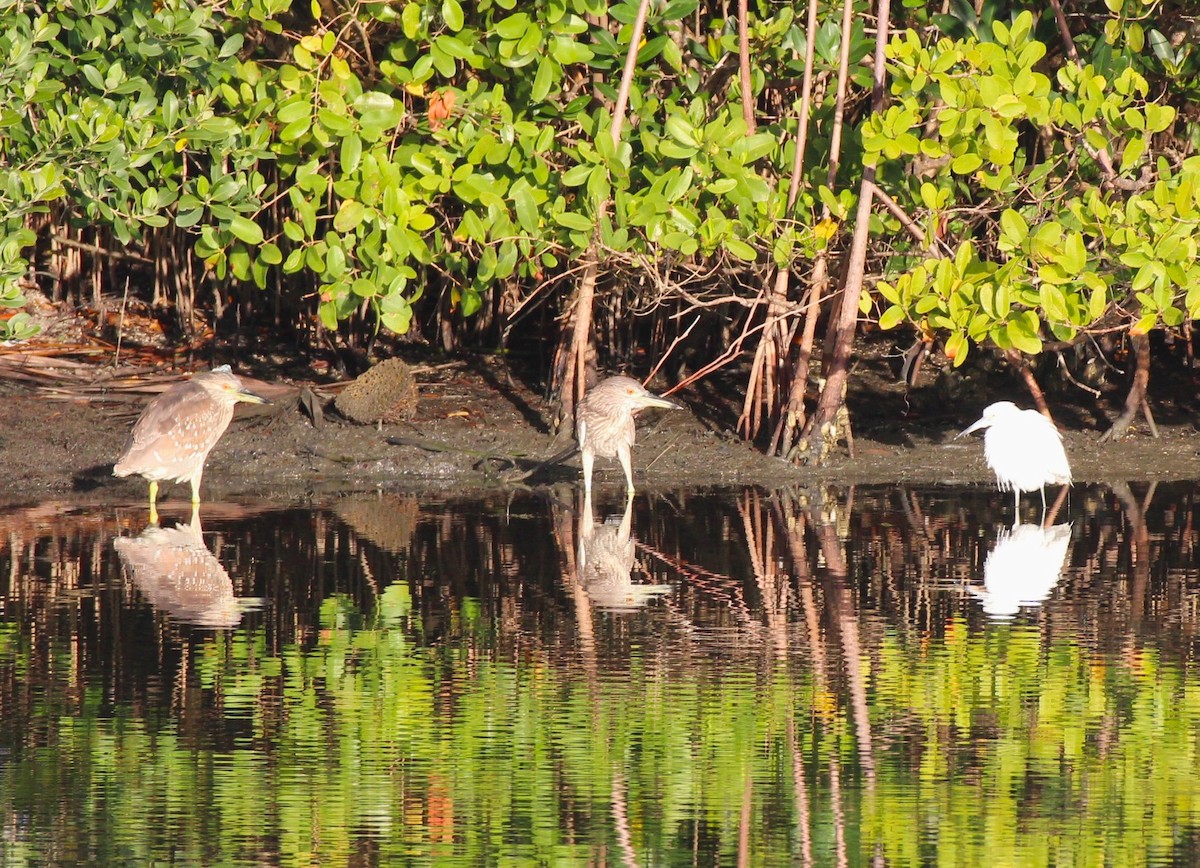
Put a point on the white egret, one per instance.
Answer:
(1023, 449)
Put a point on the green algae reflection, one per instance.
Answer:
(807, 727)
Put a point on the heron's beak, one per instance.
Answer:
(249, 397)
(652, 400)
(982, 423)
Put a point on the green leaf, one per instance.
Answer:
(270, 254)
(246, 230)
(327, 313)
(676, 151)
(349, 215)
(1054, 302)
(965, 164)
(398, 321)
(891, 318)
(93, 76)
(681, 131)
(957, 347)
(513, 27)
(232, 46)
(1024, 336)
(543, 79)
(526, 207)
(410, 20)
(573, 220)
(452, 14)
(1132, 154)
(741, 249)
(567, 51)
(351, 154)
(471, 301)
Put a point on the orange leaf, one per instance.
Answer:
(441, 104)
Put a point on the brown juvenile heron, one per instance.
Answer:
(173, 436)
(604, 423)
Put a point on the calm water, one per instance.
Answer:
(820, 677)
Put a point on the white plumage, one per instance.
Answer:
(1023, 568)
(1023, 449)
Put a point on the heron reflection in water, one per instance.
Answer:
(177, 574)
(1023, 568)
(606, 558)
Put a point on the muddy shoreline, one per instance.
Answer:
(52, 447)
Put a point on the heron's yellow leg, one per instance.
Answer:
(153, 498)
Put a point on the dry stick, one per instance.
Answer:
(734, 349)
(1066, 372)
(838, 369)
(97, 250)
(121, 324)
(744, 66)
(680, 338)
(731, 353)
(899, 213)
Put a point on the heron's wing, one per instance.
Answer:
(1060, 467)
(187, 400)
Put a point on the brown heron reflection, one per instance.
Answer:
(177, 574)
(1023, 568)
(606, 558)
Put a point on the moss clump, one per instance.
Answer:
(385, 393)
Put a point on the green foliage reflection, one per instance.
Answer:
(658, 738)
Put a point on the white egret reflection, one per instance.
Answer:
(1023, 568)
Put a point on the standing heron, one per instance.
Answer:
(173, 436)
(604, 423)
(1023, 449)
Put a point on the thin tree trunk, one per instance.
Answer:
(571, 389)
(794, 418)
(744, 66)
(772, 345)
(1136, 399)
(1017, 359)
(837, 368)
